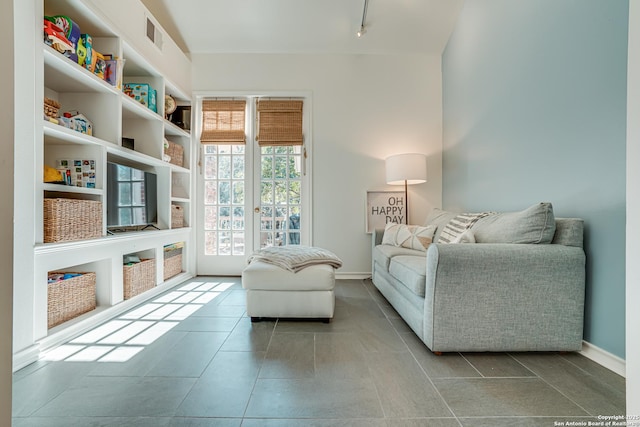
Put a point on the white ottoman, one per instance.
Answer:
(274, 292)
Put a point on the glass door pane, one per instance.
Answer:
(224, 200)
(280, 195)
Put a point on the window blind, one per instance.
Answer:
(223, 122)
(279, 122)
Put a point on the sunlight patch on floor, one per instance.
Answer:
(121, 339)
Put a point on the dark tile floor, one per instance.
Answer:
(191, 357)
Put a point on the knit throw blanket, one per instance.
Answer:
(295, 257)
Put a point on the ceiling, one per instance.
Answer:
(307, 26)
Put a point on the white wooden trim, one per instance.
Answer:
(353, 275)
(604, 358)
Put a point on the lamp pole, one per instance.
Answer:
(406, 202)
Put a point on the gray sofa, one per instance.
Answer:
(520, 287)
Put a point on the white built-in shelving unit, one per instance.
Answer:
(118, 27)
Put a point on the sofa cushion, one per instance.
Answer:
(410, 271)
(536, 224)
(440, 219)
(382, 254)
(457, 225)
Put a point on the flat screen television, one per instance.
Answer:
(132, 196)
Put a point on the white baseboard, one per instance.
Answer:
(353, 276)
(604, 358)
(25, 357)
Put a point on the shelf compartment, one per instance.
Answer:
(69, 298)
(100, 108)
(71, 219)
(172, 260)
(82, 14)
(54, 153)
(180, 185)
(56, 134)
(147, 136)
(63, 75)
(173, 130)
(132, 109)
(182, 208)
(177, 216)
(138, 277)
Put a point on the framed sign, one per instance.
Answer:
(384, 207)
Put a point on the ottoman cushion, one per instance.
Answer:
(263, 276)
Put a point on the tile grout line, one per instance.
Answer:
(550, 385)
(414, 358)
(264, 357)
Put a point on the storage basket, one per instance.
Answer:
(51, 107)
(175, 152)
(177, 216)
(139, 277)
(70, 298)
(71, 219)
(172, 263)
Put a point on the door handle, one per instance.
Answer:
(256, 210)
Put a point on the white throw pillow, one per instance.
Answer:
(459, 224)
(408, 236)
(416, 237)
(390, 236)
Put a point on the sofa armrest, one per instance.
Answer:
(376, 237)
(489, 297)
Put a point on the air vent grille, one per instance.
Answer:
(153, 34)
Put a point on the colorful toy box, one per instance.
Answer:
(143, 93)
(71, 30)
(85, 52)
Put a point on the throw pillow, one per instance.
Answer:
(536, 224)
(439, 218)
(416, 237)
(466, 237)
(459, 224)
(390, 236)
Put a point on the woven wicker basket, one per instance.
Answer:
(172, 263)
(71, 219)
(176, 152)
(51, 107)
(177, 216)
(139, 277)
(70, 298)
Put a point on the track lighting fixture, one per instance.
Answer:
(362, 29)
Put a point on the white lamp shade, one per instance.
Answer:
(410, 167)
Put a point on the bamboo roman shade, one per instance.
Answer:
(280, 122)
(223, 122)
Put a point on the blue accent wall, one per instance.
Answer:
(534, 109)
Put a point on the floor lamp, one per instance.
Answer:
(407, 169)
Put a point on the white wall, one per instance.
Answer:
(6, 214)
(633, 212)
(365, 108)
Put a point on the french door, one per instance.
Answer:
(250, 197)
